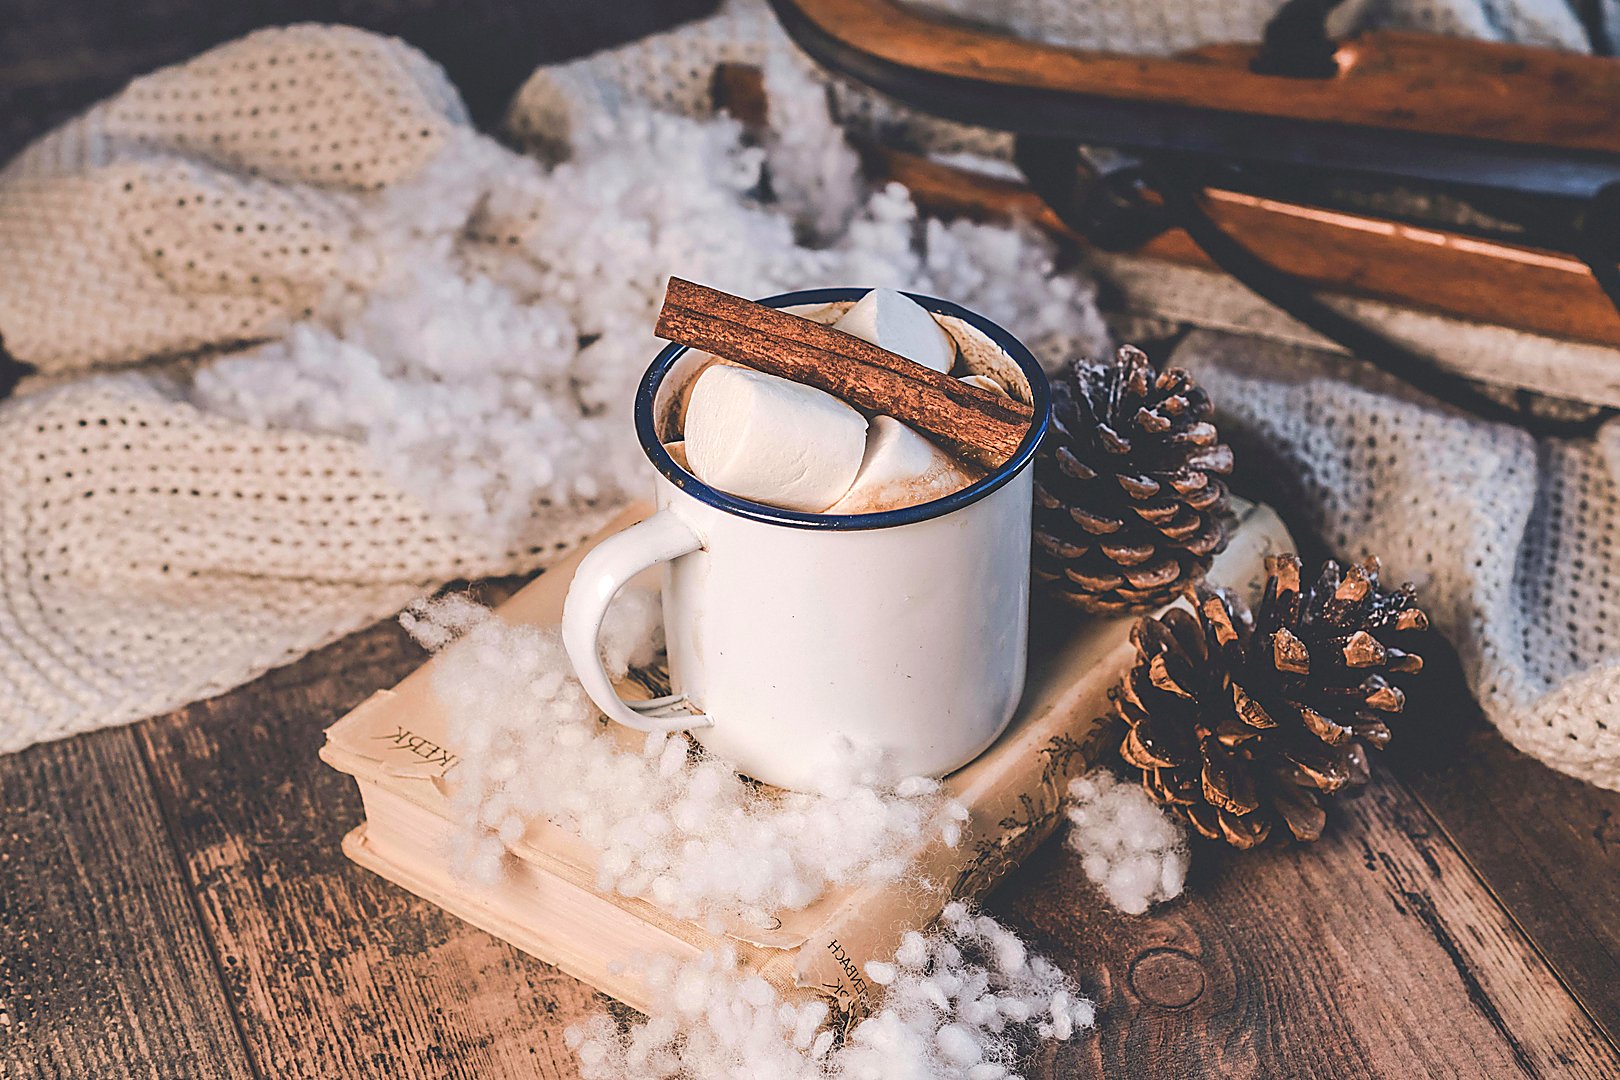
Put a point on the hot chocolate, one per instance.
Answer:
(779, 442)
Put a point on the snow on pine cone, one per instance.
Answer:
(1241, 724)
(1129, 509)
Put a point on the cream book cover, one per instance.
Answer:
(400, 748)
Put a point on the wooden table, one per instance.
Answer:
(173, 903)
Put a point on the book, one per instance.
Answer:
(399, 747)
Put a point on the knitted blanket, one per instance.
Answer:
(310, 346)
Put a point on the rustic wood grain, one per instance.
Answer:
(1542, 292)
(335, 972)
(1547, 845)
(1402, 81)
(1531, 289)
(104, 967)
(1447, 273)
(1377, 952)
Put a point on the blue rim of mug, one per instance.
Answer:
(1040, 401)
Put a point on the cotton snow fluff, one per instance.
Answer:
(493, 314)
(672, 825)
(1128, 846)
(965, 1002)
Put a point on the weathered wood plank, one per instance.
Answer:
(1546, 844)
(1538, 291)
(1418, 83)
(333, 971)
(1376, 952)
(104, 967)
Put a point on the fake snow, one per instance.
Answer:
(1128, 846)
(496, 312)
(671, 825)
(632, 634)
(964, 1002)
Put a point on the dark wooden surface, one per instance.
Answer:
(173, 903)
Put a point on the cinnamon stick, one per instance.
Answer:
(983, 426)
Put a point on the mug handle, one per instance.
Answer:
(598, 579)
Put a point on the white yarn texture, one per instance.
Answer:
(450, 332)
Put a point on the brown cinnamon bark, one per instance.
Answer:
(982, 426)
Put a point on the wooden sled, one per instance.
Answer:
(1259, 158)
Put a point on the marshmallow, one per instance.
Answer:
(772, 440)
(900, 468)
(893, 321)
(985, 382)
(690, 367)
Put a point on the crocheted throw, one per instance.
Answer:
(361, 350)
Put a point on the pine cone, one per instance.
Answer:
(1128, 509)
(1238, 724)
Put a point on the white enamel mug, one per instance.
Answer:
(804, 637)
